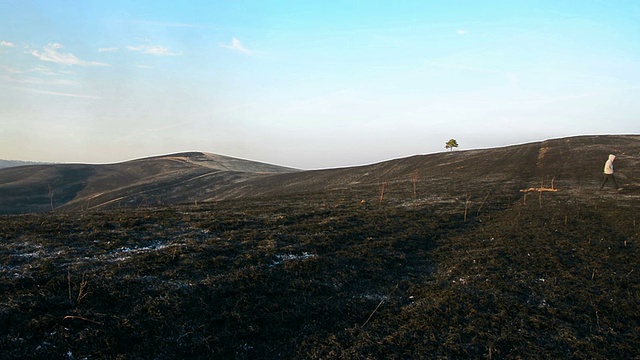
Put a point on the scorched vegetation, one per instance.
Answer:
(326, 276)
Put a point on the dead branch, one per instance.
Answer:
(73, 317)
(538, 189)
(374, 311)
(381, 301)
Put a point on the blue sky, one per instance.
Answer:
(310, 84)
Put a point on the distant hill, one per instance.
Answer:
(14, 163)
(571, 164)
(175, 178)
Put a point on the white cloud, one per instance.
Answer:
(236, 46)
(43, 70)
(109, 49)
(51, 54)
(461, 32)
(7, 44)
(81, 96)
(37, 81)
(11, 70)
(154, 50)
(56, 93)
(38, 69)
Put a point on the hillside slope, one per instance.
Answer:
(573, 164)
(175, 178)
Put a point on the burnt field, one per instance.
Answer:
(327, 276)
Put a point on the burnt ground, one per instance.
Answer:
(326, 276)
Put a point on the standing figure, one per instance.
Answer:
(608, 172)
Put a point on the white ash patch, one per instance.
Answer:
(281, 258)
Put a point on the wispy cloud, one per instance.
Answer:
(55, 93)
(108, 49)
(82, 96)
(50, 53)
(7, 44)
(11, 70)
(154, 50)
(237, 46)
(36, 69)
(37, 81)
(461, 32)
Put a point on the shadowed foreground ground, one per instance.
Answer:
(326, 277)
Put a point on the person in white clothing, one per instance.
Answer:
(608, 172)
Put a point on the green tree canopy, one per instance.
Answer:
(451, 144)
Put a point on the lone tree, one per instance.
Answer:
(451, 144)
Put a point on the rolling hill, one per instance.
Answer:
(176, 178)
(571, 163)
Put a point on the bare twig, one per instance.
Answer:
(483, 201)
(382, 186)
(374, 311)
(69, 286)
(466, 207)
(414, 179)
(377, 307)
(73, 317)
(83, 290)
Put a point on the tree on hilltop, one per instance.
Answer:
(451, 144)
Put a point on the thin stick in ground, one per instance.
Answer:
(382, 187)
(466, 206)
(414, 179)
(483, 201)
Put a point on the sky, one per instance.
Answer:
(310, 84)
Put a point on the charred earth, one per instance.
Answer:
(434, 257)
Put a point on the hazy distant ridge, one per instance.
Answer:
(14, 163)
